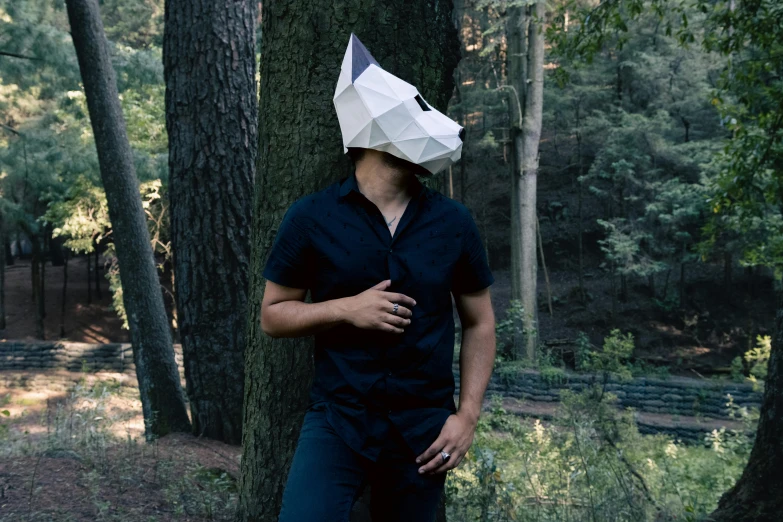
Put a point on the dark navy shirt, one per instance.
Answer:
(336, 243)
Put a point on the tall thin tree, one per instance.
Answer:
(526, 81)
(211, 117)
(162, 398)
(300, 151)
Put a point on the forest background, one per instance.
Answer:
(655, 253)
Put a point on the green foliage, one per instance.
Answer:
(510, 330)
(48, 166)
(737, 370)
(756, 361)
(758, 358)
(589, 463)
(613, 357)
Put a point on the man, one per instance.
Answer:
(382, 255)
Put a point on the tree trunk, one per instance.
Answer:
(526, 144)
(682, 277)
(162, 398)
(35, 276)
(3, 257)
(516, 68)
(211, 118)
(42, 285)
(300, 151)
(756, 495)
(96, 269)
(580, 212)
(64, 295)
(89, 277)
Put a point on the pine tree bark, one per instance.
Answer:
(211, 117)
(162, 398)
(3, 257)
(35, 275)
(756, 495)
(300, 151)
(528, 82)
(516, 74)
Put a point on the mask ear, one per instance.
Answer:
(360, 58)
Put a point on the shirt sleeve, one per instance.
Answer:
(471, 272)
(288, 263)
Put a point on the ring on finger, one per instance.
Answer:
(394, 309)
(445, 456)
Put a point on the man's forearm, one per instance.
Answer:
(477, 358)
(300, 319)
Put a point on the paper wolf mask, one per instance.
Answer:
(379, 111)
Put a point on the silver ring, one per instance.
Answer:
(445, 456)
(396, 306)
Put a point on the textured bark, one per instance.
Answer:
(516, 71)
(89, 273)
(3, 256)
(96, 269)
(35, 276)
(64, 294)
(211, 117)
(757, 495)
(162, 398)
(300, 151)
(528, 83)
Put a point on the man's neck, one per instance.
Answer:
(383, 185)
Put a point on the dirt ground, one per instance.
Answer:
(82, 456)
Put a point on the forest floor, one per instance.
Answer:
(81, 456)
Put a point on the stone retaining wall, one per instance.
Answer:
(63, 362)
(20, 360)
(676, 395)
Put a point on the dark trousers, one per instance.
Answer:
(327, 476)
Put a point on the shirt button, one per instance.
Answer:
(390, 250)
(390, 374)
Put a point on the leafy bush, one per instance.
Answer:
(757, 359)
(509, 330)
(589, 464)
(613, 358)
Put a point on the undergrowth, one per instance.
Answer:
(591, 464)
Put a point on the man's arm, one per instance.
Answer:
(285, 314)
(477, 353)
(477, 358)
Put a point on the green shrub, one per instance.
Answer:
(589, 464)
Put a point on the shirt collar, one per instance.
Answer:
(349, 185)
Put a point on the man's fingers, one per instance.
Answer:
(436, 463)
(394, 320)
(402, 299)
(433, 450)
(401, 310)
(386, 327)
(383, 285)
(443, 466)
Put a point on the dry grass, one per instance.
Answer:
(81, 456)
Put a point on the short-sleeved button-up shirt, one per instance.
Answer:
(336, 243)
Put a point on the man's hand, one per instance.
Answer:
(373, 309)
(455, 438)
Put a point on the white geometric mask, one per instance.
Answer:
(379, 111)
